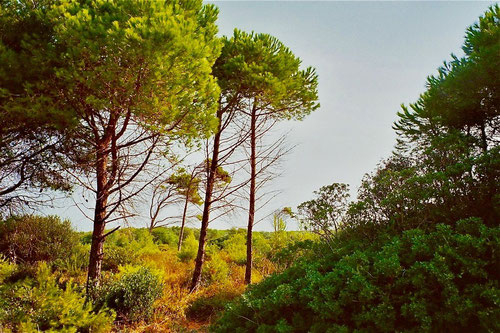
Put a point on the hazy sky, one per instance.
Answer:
(370, 58)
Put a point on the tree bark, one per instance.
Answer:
(484, 141)
(200, 257)
(96, 249)
(251, 209)
(181, 233)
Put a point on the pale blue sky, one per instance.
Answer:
(370, 58)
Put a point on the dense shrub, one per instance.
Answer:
(7, 268)
(31, 238)
(116, 256)
(236, 248)
(166, 236)
(126, 246)
(216, 268)
(440, 280)
(40, 304)
(133, 295)
(208, 306)
(74, 262)
(189, 248)
(292, 252)
(139, 241)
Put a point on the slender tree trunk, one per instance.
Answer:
(484, 142)
(181, 233)
(96, 248)
(200, 257)
(251, 210)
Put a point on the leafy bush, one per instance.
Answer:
(125, 247)
(288, 255)
(133, 295)
(75, 262)
(41, 305)
(216, 268)
(440, 280)
(236, 248)
(116, 256)
(7, 268)
(189, 248)
(165, 236)
(207, 306)
(139, 241)
(33, 238)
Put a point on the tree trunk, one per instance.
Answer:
(96, 249)
(200, 257)
(181, 233)
(484, 142)
(251, 210)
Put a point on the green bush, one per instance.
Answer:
(206, 307)
(124, 247)
(76, 261)
(441, 280)
(116, 256)
(165, 236)
(189, 248)
(236, 248)
(216, 269)
(133, 295)
(31, 238)
(40, 304)
(139, 241)
(284, 257)
(7, 268)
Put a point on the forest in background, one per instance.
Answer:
(109, 98)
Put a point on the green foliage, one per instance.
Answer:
(93, 44)
(7, 268)
(189, 248)
(260, 66)
(133, 295)
(293, 251)
(165, 236)
(75, 262)
(31, 238)
(464, 95)
(41, 304)
(116, 256)
(236, 248)
(206, 307)
(440, 280)
(324, 214)
(139, 241)
(216, 268)
(126, 246)
(187, 185)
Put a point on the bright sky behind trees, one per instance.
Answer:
(370, 58)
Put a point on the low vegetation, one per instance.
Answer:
(145, 276)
